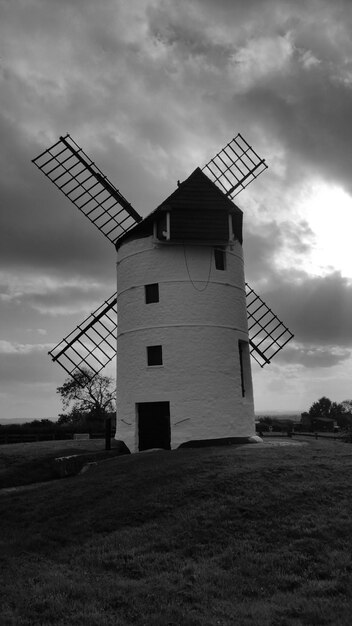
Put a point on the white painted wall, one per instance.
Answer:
(198, 320)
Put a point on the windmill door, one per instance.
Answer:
(154, 425)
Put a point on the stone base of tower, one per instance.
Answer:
(188, 437)
(221, 441)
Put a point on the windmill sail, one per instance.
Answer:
(92, 345)
(234, 167)
(80, 180)
(267, 334)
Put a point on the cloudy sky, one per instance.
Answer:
(151, 89)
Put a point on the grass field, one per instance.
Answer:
(25, 463)
(213, 536)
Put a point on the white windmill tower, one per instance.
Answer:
(187, 321)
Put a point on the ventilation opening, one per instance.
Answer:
(154, 429)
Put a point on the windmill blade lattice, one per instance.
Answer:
(267, 334)
(80, 180)
(235, 167)
(92, 345)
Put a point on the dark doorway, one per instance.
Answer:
(154, 425)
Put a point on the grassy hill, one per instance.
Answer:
(237, 535)
(26, 463)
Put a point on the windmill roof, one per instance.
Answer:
(201, 192)
(196, 193)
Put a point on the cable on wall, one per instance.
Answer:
(189, 274)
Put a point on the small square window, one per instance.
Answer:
(151, 293)
(220, 259)
(155, 355)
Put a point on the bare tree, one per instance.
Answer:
(86, 394)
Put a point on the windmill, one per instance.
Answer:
(188, 322)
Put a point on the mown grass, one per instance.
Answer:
(252, 535)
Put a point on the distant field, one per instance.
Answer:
(219, 536)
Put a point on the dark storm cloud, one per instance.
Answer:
(312, 127)
(51, 258)
(307, 108)
(317, 309)
(39, 227)
(54, 297)
(27, 364)
(265, 242)
(284, 64)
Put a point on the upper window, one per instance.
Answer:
(155, 355)
(220, 259)
(151, 293)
